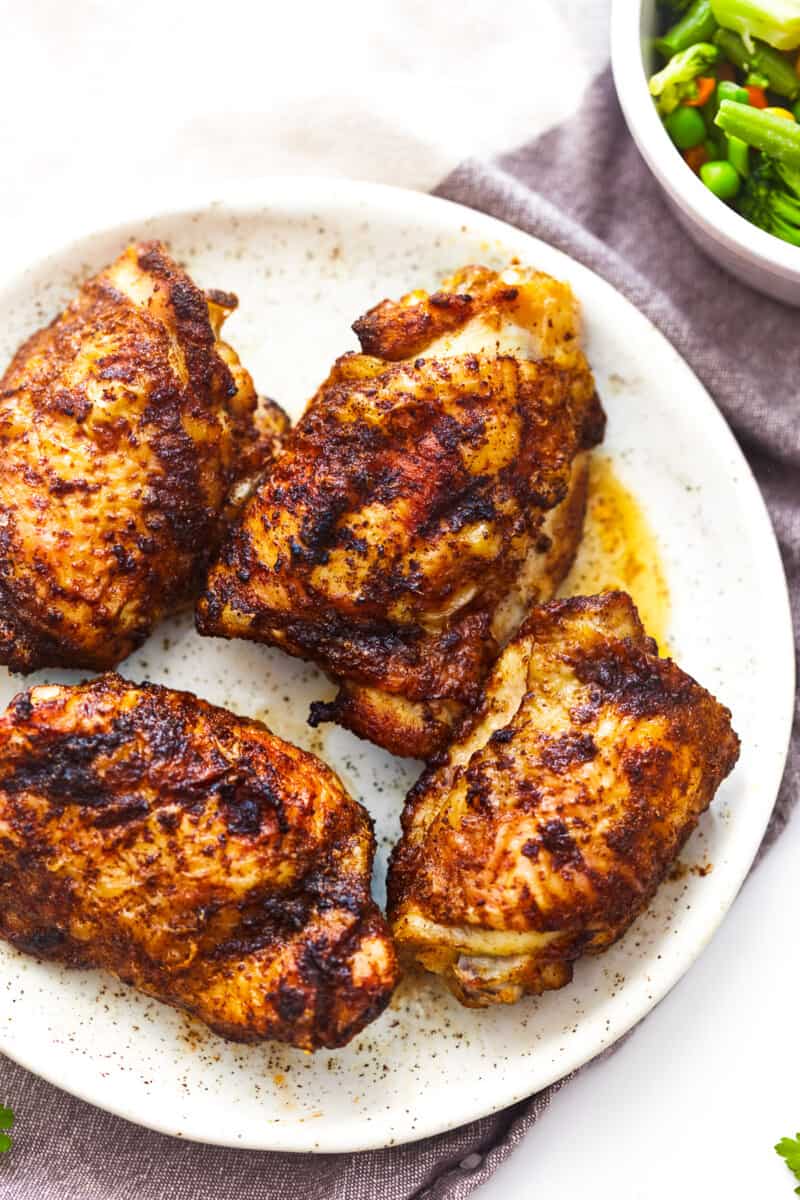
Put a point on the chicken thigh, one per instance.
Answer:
(127, 429)
(560, 806)
(433, 489)
(193, 854)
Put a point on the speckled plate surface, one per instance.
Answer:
(306, 257)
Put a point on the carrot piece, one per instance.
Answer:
(705, 90)
(757, 95)
(697, 157)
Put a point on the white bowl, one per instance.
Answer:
(756, 257)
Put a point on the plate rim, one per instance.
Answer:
(306, 194)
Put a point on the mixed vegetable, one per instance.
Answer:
(729, 96)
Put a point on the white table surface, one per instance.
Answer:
(102, 98)
(693, 1102)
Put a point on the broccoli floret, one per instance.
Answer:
(776, 22)
(676, 81)
(790, 177)
(770, 199)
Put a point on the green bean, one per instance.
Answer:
(774, 135)
(723, 91)
(696, 25)
(731, 91)
(739, 155)
(775, 68)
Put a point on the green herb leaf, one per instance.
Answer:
(6, 1122)
(789, 1150)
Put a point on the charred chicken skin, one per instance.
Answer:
(194, 855)
(127, 429)
(560, 806)
(433, 489)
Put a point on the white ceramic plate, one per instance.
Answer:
(306, 257)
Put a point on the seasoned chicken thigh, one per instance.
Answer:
(433, 489)
(194, 855)
(560, 806)
(127, 429)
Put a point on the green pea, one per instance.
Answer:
(686, 127)
(721, 178)
(731, 91)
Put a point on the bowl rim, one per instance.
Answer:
(722, 224)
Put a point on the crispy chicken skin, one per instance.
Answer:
(193, 854)
(433, 489)
(125, 426)
(560, 806)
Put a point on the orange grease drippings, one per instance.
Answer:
(619, 551)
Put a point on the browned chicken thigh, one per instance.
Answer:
(127, 429)
(434, 487)
(193, 854)
(560, 806)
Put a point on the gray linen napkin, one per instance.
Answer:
(584, 189)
